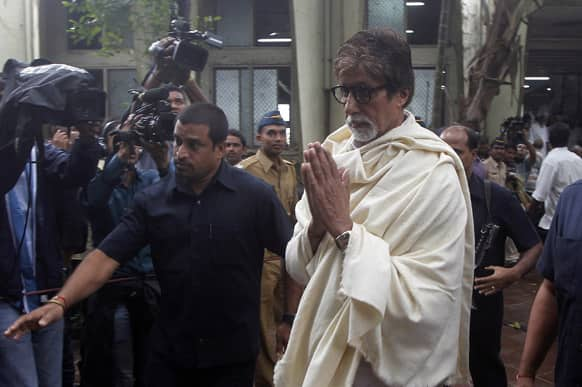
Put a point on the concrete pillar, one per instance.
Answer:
(19, 30)
(319, 28)
(508, 102)
(310, 35)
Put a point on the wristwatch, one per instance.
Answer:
(342, 240)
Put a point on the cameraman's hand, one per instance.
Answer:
(128, 123)
(166, 70)
(60, 139)
(160, 155)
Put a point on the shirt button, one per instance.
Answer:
(198, 202)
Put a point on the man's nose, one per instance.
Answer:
(351, 106)
(178, 151)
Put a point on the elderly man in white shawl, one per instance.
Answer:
(383, 241)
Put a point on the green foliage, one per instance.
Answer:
(116, 24)
(103, 21)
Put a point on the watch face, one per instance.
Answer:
(342, 240)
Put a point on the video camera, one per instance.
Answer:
(187, 54)
(155, 122)
(513, 130)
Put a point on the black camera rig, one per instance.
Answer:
(187, 54)
(512, 129)
(155, 119)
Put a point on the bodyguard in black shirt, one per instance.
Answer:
(491, 277)
(207, 226)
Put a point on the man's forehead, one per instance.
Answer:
(356, 76)
(191, 130)
(175, 95)
(233, 139)
(278, 128)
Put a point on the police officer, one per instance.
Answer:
(279, 294)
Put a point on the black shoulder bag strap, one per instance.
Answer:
(488, 199)
(488, 230)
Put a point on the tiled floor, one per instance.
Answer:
(518, 300)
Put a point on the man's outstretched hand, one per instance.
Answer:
(37, 319)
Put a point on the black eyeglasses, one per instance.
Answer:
(361, 94)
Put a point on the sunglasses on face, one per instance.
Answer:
(362, 94)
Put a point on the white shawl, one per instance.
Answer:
(400, 294)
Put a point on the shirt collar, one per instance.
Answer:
(265, 162)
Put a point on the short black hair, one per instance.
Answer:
(237, 133)
(206, 114)
(473, 138)
(109, 127)
(559, 134)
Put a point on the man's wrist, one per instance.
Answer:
(315, 232)
(342, 228)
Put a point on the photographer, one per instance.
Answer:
(120, 315)
(166, 70)
(31, 257)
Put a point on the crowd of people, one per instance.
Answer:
(206, 268)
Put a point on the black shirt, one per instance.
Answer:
(515, 224)
(561, 263)
(208, 254)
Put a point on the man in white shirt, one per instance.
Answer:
(559, 169)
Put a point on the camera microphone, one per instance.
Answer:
(153, 95)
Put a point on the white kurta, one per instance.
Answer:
(399, 296)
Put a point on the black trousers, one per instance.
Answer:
(487, 369)
(162, 373)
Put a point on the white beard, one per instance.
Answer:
(365, 131)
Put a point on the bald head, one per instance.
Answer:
(464, 142)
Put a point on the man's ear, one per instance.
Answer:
(221, 147)
(404, 95)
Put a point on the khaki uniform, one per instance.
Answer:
(282, 177)
(496, 171)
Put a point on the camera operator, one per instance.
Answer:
(120, 315)
(183, 89)
(31, 257)
(165, 70)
